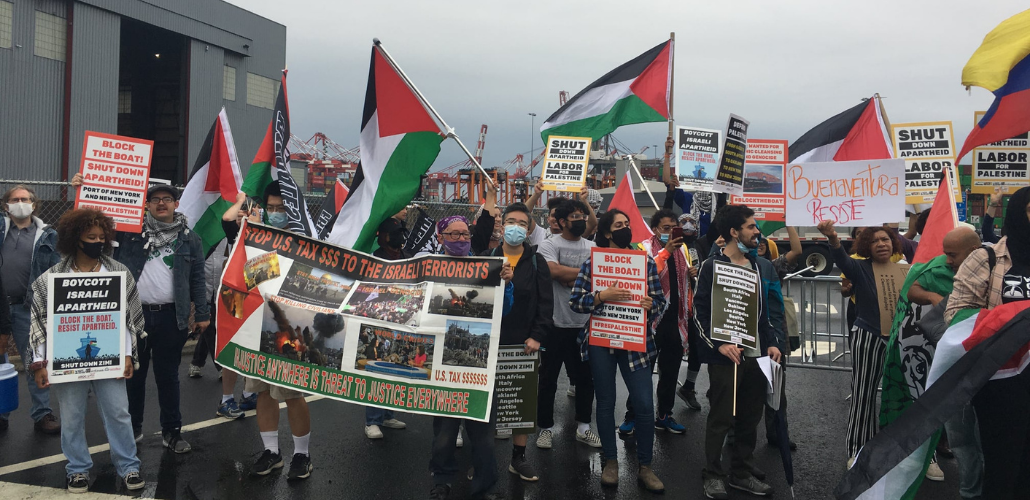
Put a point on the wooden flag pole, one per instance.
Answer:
(734, 389)
(633, 165)
(667, 174)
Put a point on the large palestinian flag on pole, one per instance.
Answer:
(636, 92)
(981, 345)
(400, 140)
(272, 164)
(213, 184)
(858, 133)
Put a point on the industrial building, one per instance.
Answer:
(151, 69)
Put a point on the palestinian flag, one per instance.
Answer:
(213, 184)
(636, 92)
(859, 133)
(626, 201)
(330, 207)
(942, 219)
(981, 345)
(400, 140)
(272, 164)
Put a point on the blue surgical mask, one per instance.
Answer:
(664, 238)
(278, 219)
(742, 247)
(514, 234)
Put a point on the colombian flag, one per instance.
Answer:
(1002, 65)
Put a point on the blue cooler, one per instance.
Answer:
(8, 388)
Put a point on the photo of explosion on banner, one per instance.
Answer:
(395, 303)
(466, 343)
(466, 301)
(232, 301)
(301, 334)
(259, 269)
(393, 352)
(315, 286)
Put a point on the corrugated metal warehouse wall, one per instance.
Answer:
(96, 39)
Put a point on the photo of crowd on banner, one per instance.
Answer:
(395, 303)
(466, 301)
(466, 343)
(394, 352)
(315, 286)
(305, 334)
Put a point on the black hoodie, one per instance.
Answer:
(531, 315)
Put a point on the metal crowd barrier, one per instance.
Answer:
(822, 320)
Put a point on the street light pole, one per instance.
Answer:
(532, 143)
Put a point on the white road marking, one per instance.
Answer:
(16, 491)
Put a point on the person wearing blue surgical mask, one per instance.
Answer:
(275, 210)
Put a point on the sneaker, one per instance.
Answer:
(543, 440)
(519, 465)
(934, 472)
(647, 478)
(133, 481)
(715, 488)
(137, 434)
(610, 473)
(755, 471)
(48, 425)
(78, 483)
(300, 467)
(267, 463)
(373, 432)
(689, 396)
(458, 443)
(230, 411)
(173, 441)
(752, 485)
(571, 392)
(195, 371)
(248, 403)
(440, 492)
(627, 427)
(669, 424)
(589, 438)
(393, 423)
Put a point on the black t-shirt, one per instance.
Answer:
(672, 312)
(1015, 286)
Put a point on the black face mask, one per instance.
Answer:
(622, 238)
(578, 227)
(92, 250)
(689, 239)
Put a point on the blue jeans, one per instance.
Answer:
(113, 404)
(603, 362)
(964, 440)
(375, 416)
(40, 397)
(163, 346)
(443, 464)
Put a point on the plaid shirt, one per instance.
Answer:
(975, 286)
(582, 301)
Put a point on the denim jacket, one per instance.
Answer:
(187, 271)
(44, 252)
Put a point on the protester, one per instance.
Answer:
(991, 213)
(28, 247)
(391, 241)
(565, 255)
(85, 238)
(530, 287)
(486, 234)
(868, 344)
(687, 391)
(614, 229)
(983, 282)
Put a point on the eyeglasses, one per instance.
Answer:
(458, 235)
(515, 222)
(163, 199)
(275, 209)
(20, 200)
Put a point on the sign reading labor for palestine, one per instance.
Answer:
(619, 325)
(735, 305)
(515, 390)
(850, 193)
(928, 149)
(1002, 163)
(565, 163)
(114, 171)
(729, 178)
(697, 157)
(765, 163)
(86, 334)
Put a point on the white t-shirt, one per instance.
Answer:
(156, 281)
(570, 254)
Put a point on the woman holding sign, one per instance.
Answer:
(614, 232)
(875, 245)
(84, 238)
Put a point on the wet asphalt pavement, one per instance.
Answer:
(347, 465)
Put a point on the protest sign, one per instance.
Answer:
(114, 172)
(763, 179)
(928, 149)
(697, 157)
(729, 177)
(735, 305)
(889, 280)
(515, 393)
(850, 193)
(565, 163)
(419, 335)
(619, 325)
(86, 334)
(1002, 163)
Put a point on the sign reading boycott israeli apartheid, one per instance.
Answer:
(764, 165)
(735, 305)
(1001, 164)
(850, 193)
(697, 157)
(619, 325)
(86, 329)
(565, 163)
(729, 178)
(928, 150)
(418, 335)
(114, 172)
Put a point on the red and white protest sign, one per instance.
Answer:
(115, 171)
(764, 166)
(619, 325)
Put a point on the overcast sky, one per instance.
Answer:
(785, 66)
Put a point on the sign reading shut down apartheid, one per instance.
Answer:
(619, 325)
(928, 150)
(418, 335)
(565, 163)
(86, 326)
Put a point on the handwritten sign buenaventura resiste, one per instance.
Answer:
(850, 193)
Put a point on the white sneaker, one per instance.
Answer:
(851, 461)
(459, 442)
(373, 432)
(544, 439)
(195, 371)
(571, 392)
(934, 472)
(589, 438)
(393, 423)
